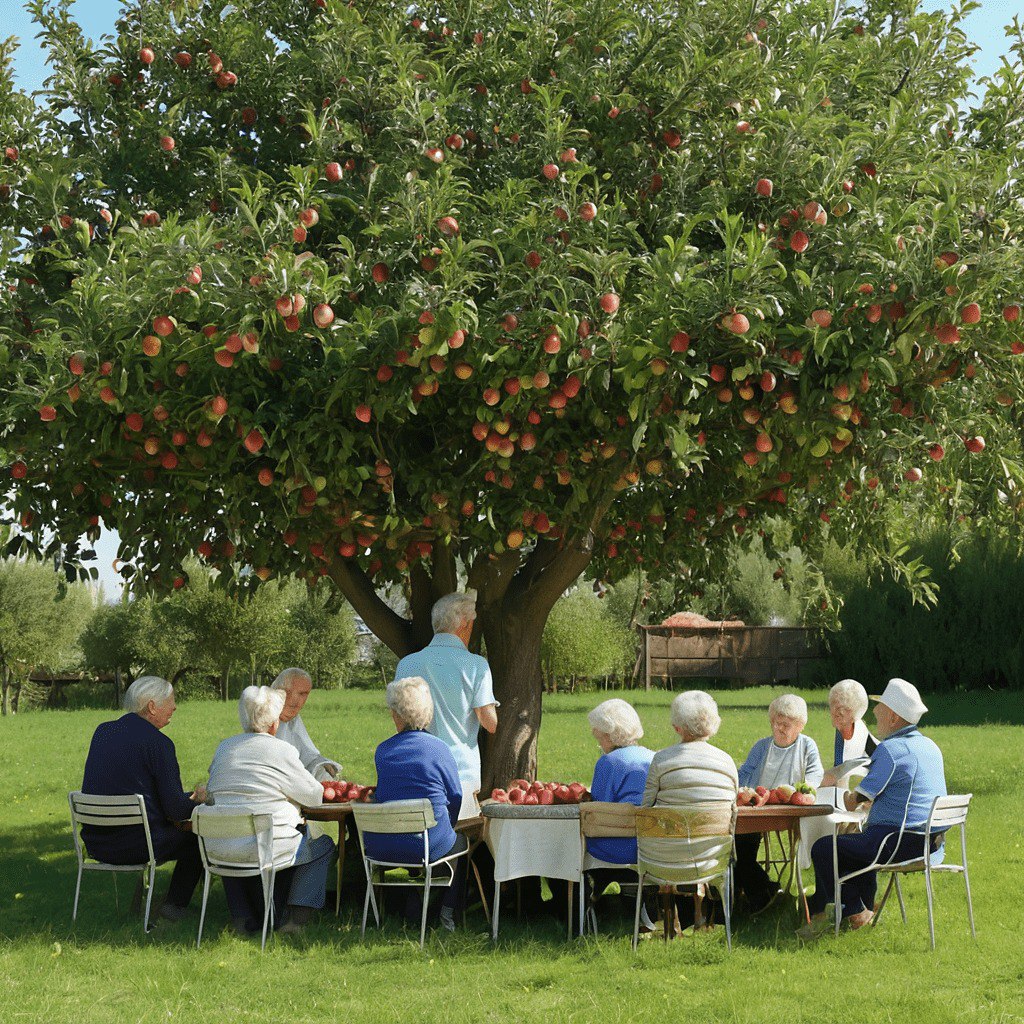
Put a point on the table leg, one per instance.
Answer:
(341, 866)
(801, 896)
(569, 887)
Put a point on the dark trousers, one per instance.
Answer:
(181, 847)
(749, 875)
(858, 850)
(245, 898)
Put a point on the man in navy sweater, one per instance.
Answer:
(132, 755)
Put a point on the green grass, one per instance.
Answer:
(104, 970)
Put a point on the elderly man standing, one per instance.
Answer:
(461, 688)
(905, 777)
(296, 684)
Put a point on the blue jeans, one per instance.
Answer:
(858, 850)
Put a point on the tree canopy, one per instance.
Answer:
(379, 293)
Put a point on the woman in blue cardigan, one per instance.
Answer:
(785, 758)
(132, 755)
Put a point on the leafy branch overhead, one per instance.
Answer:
(343, 290)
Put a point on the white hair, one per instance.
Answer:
(286, 679)
(696, 713)
(410, 700)
(144, 690)
(848, 695)
(452, 611)
(789, 705)
(617, 720)
(259, 708)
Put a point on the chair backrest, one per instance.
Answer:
(396, 817)
(686, 845)
(107, 811)
(948, 812)
(601, 820)
(227, 823)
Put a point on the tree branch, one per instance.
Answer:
(421, 601)
(385, 622)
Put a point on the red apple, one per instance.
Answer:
(448, 226)
(609, 302)
(936, 452)
(974, 444)
(799, 241)
(550, 171)
(1011, 314)
(971, 313)
(323, 315)
(166, 143)
(164, 326)
(380, 273)
(332, 171)
(764, 187)
(531, 799)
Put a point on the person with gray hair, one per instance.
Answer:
(847, 705)
(413, 765)
(785, 758)
(255, 772)
(460, 686)
(296, 684)
(690, 773)
(132, 755)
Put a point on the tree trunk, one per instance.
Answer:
(6, 702)
(118, 688)
(513, 637)
(224, 684)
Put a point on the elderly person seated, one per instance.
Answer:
(257, 773)
(296, 684)
(692, 772)
(905, 777)
(847, 703)
(132, 755)
(413, 765)
(785, 758)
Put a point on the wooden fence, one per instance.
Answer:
(750, 654)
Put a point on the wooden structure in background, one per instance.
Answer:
(751, 654)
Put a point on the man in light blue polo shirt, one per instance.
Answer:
(905, 777)
(460, 684)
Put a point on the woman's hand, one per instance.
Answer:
(828, 779)
(198, 795)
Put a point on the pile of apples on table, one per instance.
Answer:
(800, 796)
(546, 793)
(341, 792)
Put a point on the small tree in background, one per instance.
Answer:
(584, 640)
(371, 292)
(321, 638)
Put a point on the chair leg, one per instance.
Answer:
(426, 907)
(885, 897)
(726, 908)
(78, 889)
(480, 889)
(581, 902)
(117, 905)
(967, 880)
(931, 907)
(636, 913)
(149, 896)
(899, 896)
(268, 909)
(202, 909)
(569, 909)
(341, 867)
(366, 907)
(497, 911)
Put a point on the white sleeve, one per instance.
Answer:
(312, 760)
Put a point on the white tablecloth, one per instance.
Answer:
(524, 847)
(813, 829)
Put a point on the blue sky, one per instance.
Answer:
(985, 27)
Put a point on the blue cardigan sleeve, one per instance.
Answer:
(750, 770)
(601, 788)
(174, 802)
(451, 781)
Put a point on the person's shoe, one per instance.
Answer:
(860, 920)
(244, 926)
(298, 918)
(813, 931)
(447, 919)
(170, 912)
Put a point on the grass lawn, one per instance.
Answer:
(104, 970)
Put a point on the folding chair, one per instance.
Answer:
(702, 841)
(401, 817)
(245, 860)
(111, 812)
(601, 820)
(948, 812)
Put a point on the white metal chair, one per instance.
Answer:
(702, 840)
(111, 812)
(948, 812)
(247, 860)
(401, 817)
(601, 820)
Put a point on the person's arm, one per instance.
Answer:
(312, 760)
(813, 768)
(881, 771)
(751, 768)
(600, 787)
(484, 704)
(451, 782)
(174, 802)
(299, 785)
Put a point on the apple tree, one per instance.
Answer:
(495, 293)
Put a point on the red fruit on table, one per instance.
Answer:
(802, 799)
(531, 799)
(546, 797)
(519, 784)
(328, 793)
(576, 791)
(500, 795)
(536, 786)
(516, 796)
